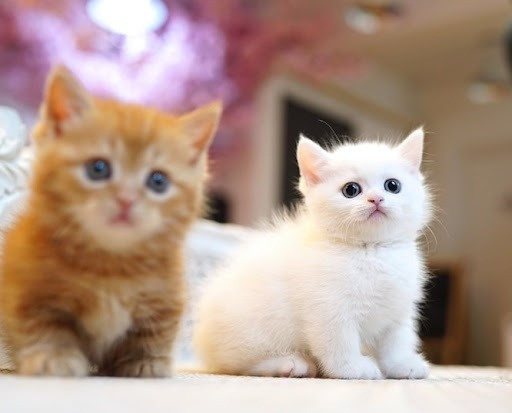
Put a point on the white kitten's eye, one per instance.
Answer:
(393, 186)
(351, 190)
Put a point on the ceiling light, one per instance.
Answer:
(369, 16)
(128, 17)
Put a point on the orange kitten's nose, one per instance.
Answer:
(125, 203)
(124, 214)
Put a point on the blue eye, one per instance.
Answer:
(351, 190)
(158, 182)
(98, 170)
(393, 186)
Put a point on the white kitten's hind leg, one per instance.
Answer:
(292, 365)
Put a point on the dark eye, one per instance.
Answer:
(98, 170)
(351, 190)
(393, 186)
(157, 181)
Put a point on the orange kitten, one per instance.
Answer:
(93, 267)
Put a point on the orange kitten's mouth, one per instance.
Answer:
(122, 218)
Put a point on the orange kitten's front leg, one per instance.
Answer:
(146, 351)
(47, 345)
(51, 360)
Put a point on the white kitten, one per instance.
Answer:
(335, 289)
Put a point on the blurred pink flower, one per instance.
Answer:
(206, 50)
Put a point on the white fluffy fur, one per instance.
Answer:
(331, 290)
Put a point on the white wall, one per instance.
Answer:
(464, 137)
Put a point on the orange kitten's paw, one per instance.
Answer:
(154, 367)
(45, 361)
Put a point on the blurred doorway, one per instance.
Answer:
(302, 118)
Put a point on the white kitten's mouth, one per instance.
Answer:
(377, 213)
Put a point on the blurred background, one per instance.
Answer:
(354, 68)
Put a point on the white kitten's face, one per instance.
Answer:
(366, 192)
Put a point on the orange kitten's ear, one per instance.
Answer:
(311, 158)
(200, 126)
(65, 100)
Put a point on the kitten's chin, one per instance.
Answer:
(117, 241)
(119, 236)
(376, 228)
(119, 233)
(380, 228)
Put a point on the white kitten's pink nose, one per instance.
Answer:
(376, 200)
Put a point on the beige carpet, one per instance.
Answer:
(449, 389)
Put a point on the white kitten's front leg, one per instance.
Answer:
(398, 356)
(338, 351)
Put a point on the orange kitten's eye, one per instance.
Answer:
(158, 182)
(98, 169)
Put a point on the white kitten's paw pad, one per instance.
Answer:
(150, 367)
(362, 368)
(410, 368)
(42, 361)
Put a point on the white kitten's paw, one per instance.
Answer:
(286, 366)
(300, 368)
(363, 368)
(412, 367)
(44, 361)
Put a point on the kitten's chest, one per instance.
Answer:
(110, 318)
(386, 281)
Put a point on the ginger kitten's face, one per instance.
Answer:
(123, 173)
(366, 192)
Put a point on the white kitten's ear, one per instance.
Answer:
(200, 125)
(311, 158)
(65, 100)
(412, 147)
